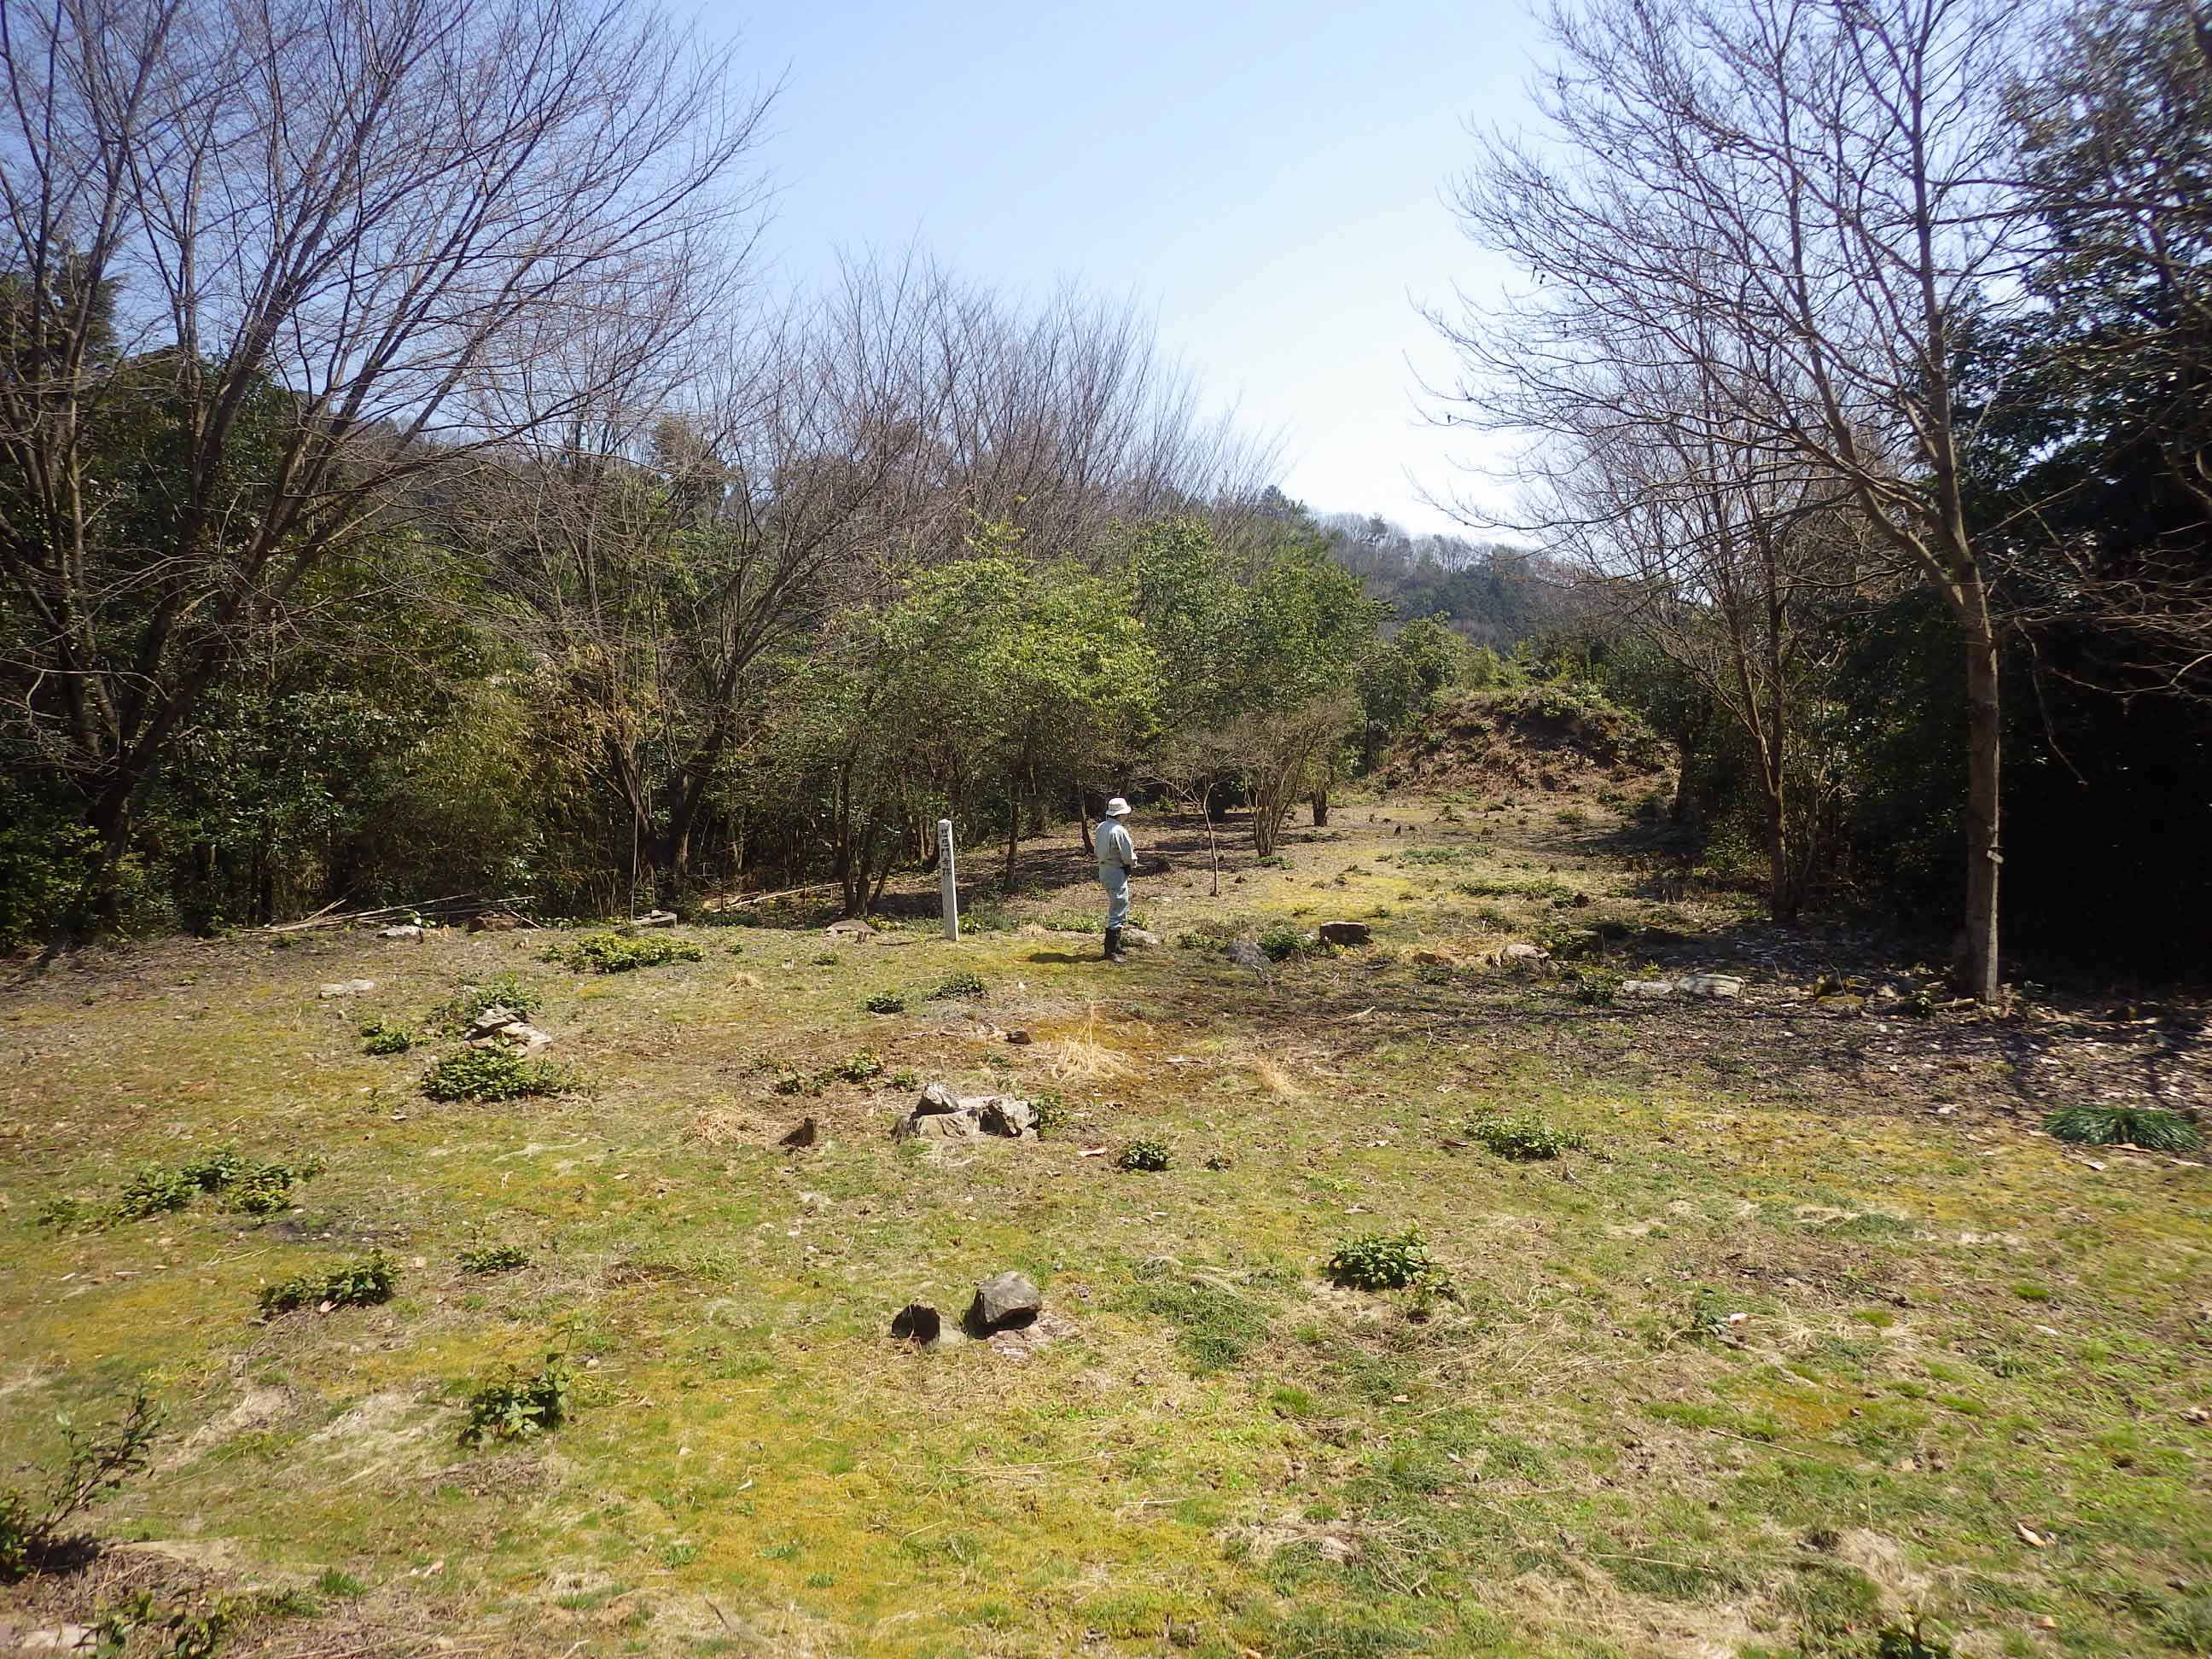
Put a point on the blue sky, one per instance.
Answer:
(1266, 178)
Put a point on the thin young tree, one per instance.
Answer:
(263, 265)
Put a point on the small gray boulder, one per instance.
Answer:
(1006, 1115)
(1004, 1302)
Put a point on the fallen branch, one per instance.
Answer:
(461, 902)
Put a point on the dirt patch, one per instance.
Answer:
(256, 1409)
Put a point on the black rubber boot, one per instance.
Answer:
(1113, 952)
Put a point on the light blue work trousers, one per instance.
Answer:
(1116, 880)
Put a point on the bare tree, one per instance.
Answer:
(701, 507)
(1726, 555)
(1803, 197)
(314, 246)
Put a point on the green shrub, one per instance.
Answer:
(885, 1002)
(1388, 1261)
(379, 1039)
(141, 1623)
(1537, 888)
(1524, 1138)
(246, 1188)
(65, 1214)
(906, 1079)
(518, 1406)
(1283, 941)
(92, 1467)
(493, 1074)
(266, 1189)
(1437, 855)
(1595, 987)
(154, 1191)
(1213, 940)
(1146, 1153)
(495, 1259)
(2152, 1130)
(1912, 1641)
(610, 953)
(1053, 1112)
(960, 985)
(216, 1172)
(857, 1067)
(359, 1284)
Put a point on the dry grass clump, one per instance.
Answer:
(722, 1126)
(1081, 1057)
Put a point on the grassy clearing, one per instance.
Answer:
(1774, 1347)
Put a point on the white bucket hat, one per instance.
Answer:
(1117, 808)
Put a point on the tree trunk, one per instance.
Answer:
(1013, 836)
(110, 819)
(1678, 809)
(1984, 744)
(1321, 808)
(1781, 887)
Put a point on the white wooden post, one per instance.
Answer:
(948, 886)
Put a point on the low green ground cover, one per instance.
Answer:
(1781, 1353)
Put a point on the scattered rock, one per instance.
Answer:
(1020, 1039)
(805, 1134)
(492, 1021)
(1647, 988)
(528, 1038)
(851, 928)
(55, 1639)
(1345, 933)
(657, 919)
(936, 1098)
(1139, 938)
(502, 1027)
(940, 1114)
(403, 930)
(1004, 1302)
(1247, 954)
(348, 988)
(494, 921)
(916, 1323)
(1429, 959)
(1711, 985)
(919, 1125)
(1007, 1115)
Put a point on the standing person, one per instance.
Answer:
(1117, 861)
